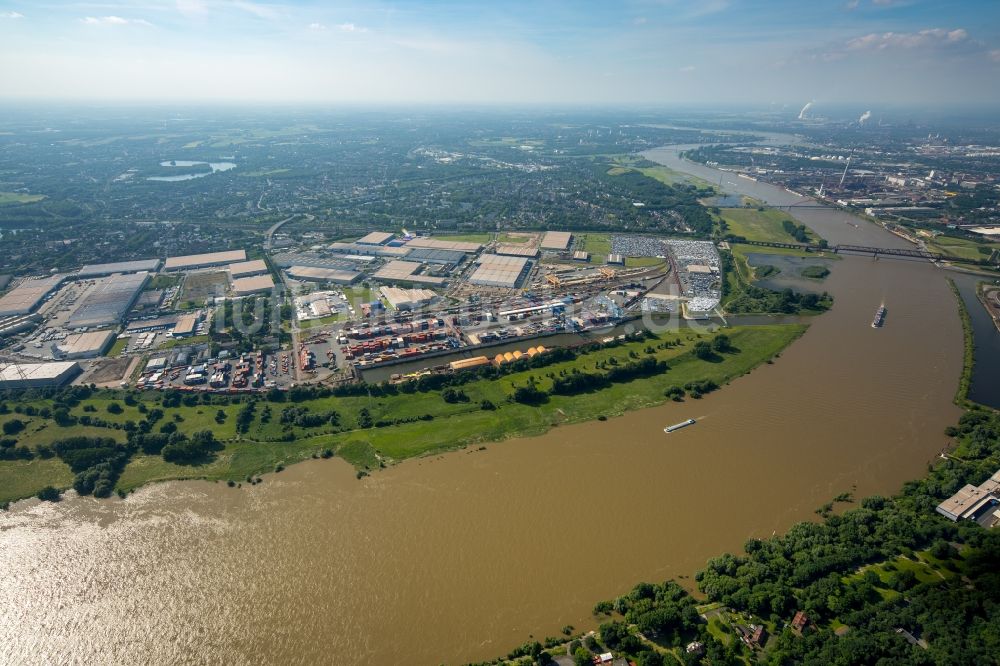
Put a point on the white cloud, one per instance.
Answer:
(994, 55)
(260, 11)
(192, 7)
(317, 26)
(11, 15)
(350, 27)
(113, 20)
(933, 37)
(687, 68)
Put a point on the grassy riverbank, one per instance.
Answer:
(969, 349)
(370, 431)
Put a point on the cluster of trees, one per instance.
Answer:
(303, 418)
(10, 450)
(796, 231)
(97, 462)
(749, 298)
(585, 382)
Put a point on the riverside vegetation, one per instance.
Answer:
(888, 581)
(105, 441)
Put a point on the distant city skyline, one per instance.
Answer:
(652, 52)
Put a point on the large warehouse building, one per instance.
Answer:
(109, 301)
(248, 268)
(439, 244)
(190, 261)
(556, 240)
(37, 375)
(252, 285)
(499, 271)
(375, 238)
(407, 299)
(100, 270)
(405, 272)
(85, 345)
(316, 274)
(28, 295)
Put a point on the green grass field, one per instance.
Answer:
(637, 262)
(742, 250)
(598, 245)
(962, 248)
(453, 425)
(9, 198)
(760, 225)
(118, 347)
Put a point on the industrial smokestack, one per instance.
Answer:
(802, 113)
(864, 116)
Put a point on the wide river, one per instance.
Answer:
(461, 556)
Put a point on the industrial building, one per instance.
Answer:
(185, 326)
(315, 274)
(252, 285)
(13, 325)
(580, 255)
(37, 375)
(616, 259)
(405, 271)
(27, 296)
(375, 238)
(343, 263)
(500, 271)
(369, 250)
(517, 250)
(467, 363)
(435, 244)
(247, 268)
(980, 503)
(407, 299)
(447, 258)
(101, 270)
(158, 324)
(108, 302)
(190, 261)
(556, 240)
(85, 345)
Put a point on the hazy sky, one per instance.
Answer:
(503, 51)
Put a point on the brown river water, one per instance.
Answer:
(461, 556)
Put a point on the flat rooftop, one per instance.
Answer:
(499, 271)
(250, 285)
(208, 259)
(377, 250)
(91, 342)
(25, 297)
(323, 274)
(375, 238)
(405, 271)
(344, 262)
(244, 268)
(397, 270)
(556, 240)
(108, 302)
(517, 250)
(440, 244)
(94, 270)
(34, 372)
